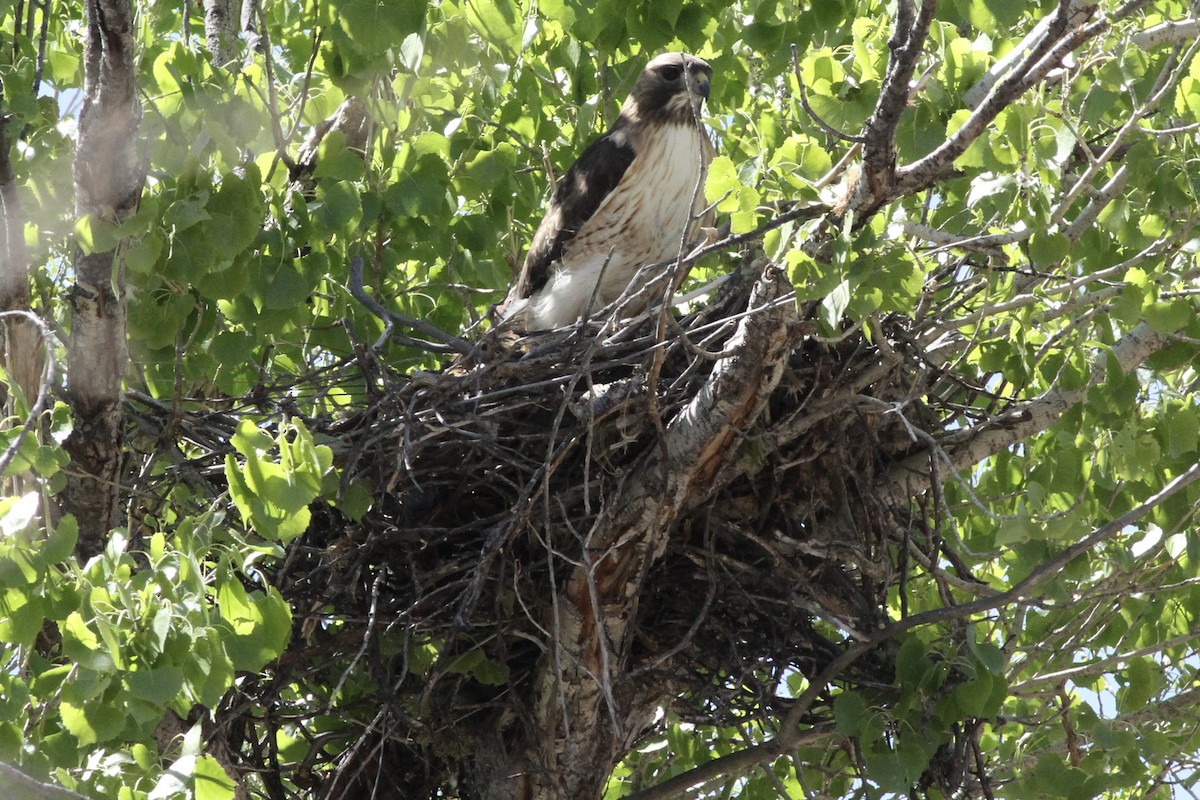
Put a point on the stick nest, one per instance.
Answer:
(487, 478)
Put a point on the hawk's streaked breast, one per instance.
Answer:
(642, 221)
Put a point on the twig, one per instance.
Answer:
(825, 126)
(443, 342)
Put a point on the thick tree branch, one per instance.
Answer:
(37, 396)
(19, 786)
(738, 763)
(1036, 64)
(583, 711)
(1170, 32)
(1066, 32)
(1030, 48)
(221, 19)
(906, 44)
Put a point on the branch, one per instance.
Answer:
(702, 432)
(444, 342)
(108, 173)
(1035, 42)
(1160, 248)
(20, 353)
(19, 786)
(33, 322)
(1169, 32)
(808, 109)
(969, 446)
(690, 782)
(1099, 665)
(908, 39)
(1032, 69)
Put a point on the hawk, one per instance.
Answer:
(631, 199)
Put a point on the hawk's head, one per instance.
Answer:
(670, 89)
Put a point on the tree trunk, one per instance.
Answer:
(109, 173)
(23, 346)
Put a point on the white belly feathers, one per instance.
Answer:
(642, 221)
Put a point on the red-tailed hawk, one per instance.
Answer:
(631, 199)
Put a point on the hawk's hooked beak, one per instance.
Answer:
(700, 84)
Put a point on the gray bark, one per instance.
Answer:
(109, 173)
(221, 22)
(16, 785)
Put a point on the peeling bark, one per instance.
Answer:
(109, 173)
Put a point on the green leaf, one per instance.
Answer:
(93, 722)
(1170, 316)
(485, 670)
(94, 235)
(989, 655)
(489, 168)
(375, 26)
(338, 207)
(833, 307)
(725, 188)
(209, 669)
(191, 210)
(22, 613)
(1182, 429)
(1048, 249)
(236, 212)
(356, 501)
(249, 440)
(1143, 679)
(850, 712)
(157, 686)
(211, 781)
(260, 624)
(337, 161)
(82, 645)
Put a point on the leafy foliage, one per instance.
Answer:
(1063, 229)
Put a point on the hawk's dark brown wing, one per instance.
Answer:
(590, 179)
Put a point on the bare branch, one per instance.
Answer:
(813, 115)
(969, 446)
(442, 342)
(1169, 32)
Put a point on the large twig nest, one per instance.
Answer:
(489, 476)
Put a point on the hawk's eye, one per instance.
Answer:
(670, 73)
